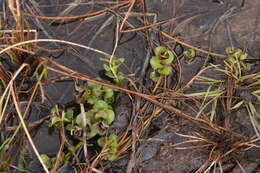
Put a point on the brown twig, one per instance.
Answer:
(123, 4)
(69, 72)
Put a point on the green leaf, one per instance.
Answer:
(106, 67)
(243, 56)
(94, 85)
(69, 114)
(113, 141)
(112, 69)
(54, 110)
(105, 59)
(100, 116)
(108, 92)
(156, 63)
(231, 59)
(95, 129)
(110, 74)
(120, 78)
(116, 63)
(111, 144)
(121, 60)
(70, 127)
(101, 141)
(100, 105)
(106, 116)
(154, 76)
(229, 50)
(169, 58)
(91, 99)
(46, 160)
(237, 105)
(79, 119)
(165, 70)
(190, 55)
(110, 116)
(237, 53)
(55, 120)
(111, 157)
(160, 50)
(91, 133)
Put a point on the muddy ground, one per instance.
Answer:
(208, 24)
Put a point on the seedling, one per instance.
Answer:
(161, 63)
(190, 55)
(109, 145)
(48, 161)
(59, 117)
(235, 65)
(94, 92)
(101, 115)
(237, 70)
(65, 156)
(111, 69)
(98, 118)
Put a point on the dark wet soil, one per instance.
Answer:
(208, 24)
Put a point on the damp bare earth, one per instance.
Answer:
(202, 117)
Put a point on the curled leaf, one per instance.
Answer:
(229, 50)
(165, 56)
(110, 116)
(154, 76)
(165, 70)
(190, 55)
(160, 50)
(168, 58)
(111, 69)
(156, 62)
(89, 116)
(111, 144)
(46, 160)
(108, 94)
(100, 105)
(95, 129)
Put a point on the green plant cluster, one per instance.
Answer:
(235, 54)
(235, 62)
(109, 145)
(97, 119)
(190, 55)
(65, 156)
(161, 62)
(95, 92)
(49, 162)
(111, 69)
(237, 69)
(60, 117)
(101, 115)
